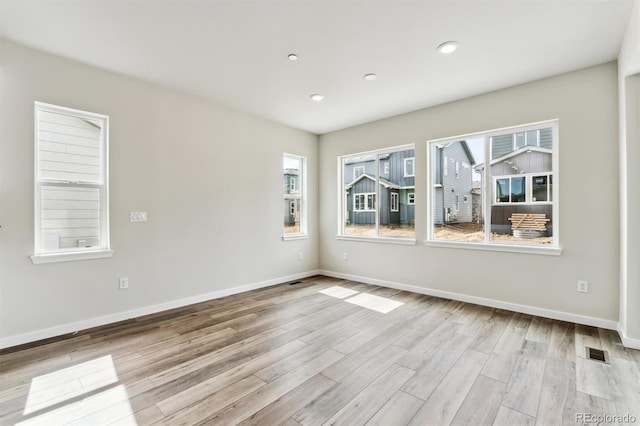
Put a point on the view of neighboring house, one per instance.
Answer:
(396, 189)
(453, 183)
(521, 177)
(291, 198)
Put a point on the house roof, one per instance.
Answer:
(515, 153)
(235, 52)
(383, 181)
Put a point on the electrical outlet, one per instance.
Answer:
(583, 286)
(300, 256)
(137, 216)
(124, 283)
(345, 256)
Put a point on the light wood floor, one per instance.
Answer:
(291, 355)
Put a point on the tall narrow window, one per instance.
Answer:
(510, 183)
(294, 176)
(380, 201)
(71, 184)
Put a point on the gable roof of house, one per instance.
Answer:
(386, 183)
(515, 153)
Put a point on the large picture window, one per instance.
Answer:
(377, 197)
(508, 174)
(293, 171)
(71, 184)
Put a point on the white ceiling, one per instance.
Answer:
(235, 51)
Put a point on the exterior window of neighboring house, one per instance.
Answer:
(395, 205)
(411, 198)
(378, 205)
(510, 190)
(409, 167)
(516, 209)
(71, 184)
(295, 202)
(364, 202)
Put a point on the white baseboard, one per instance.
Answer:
(628, 342)
(33, 336)
(525, 309)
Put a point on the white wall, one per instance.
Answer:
(586, 104)
(628, 65)
(209, 177)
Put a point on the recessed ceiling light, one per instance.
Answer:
(447, 47)
(317, 97)
(370, 77)
(292, 57)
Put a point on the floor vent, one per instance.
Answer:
(597, 355)
(294, 282)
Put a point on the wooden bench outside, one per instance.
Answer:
(529, 221)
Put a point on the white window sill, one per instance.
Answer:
(68, 256)
(295, 237)
(384, 240)
(510, 248)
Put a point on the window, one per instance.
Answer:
(378, 204)
(364, 202)
(395, 206)
(294, 174)
(357, 171)
(71, 184)
(408, 166)
(515, 209)
(411, 198)
(510, 190)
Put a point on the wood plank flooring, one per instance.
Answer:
(290, 355)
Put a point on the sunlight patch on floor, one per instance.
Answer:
(82, 394)
(339, 292)
(375, 303)
(61, 385)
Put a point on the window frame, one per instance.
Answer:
(342, 196)
(368, 198)
(487, 198)
(41, 255)
(411, 198)
(300, 194)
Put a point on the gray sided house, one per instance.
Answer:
(453, 183)
(396, 189)
(521, 177)
(291, 196)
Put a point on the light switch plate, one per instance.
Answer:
(138, 216)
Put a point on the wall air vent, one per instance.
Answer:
(597, 355)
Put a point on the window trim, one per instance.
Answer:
(553, 249)
(72, 253)
(528, 190)
(411, 198)
(365, 201)
(300, 195)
